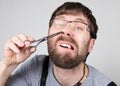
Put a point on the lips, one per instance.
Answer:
(64, 45)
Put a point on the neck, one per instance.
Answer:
(69, 77)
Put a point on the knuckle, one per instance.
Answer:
(23, 37)
(13, 38)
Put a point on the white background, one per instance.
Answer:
(31, 17)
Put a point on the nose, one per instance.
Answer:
(67, 32)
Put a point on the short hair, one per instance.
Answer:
(76, 8)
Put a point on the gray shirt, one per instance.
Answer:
(29, 74)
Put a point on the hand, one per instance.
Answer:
(18, 49)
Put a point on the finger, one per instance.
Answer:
(31, 38)
(29, 41)
(17, 41)
(25, 39)
(11, 46)
(28, 51)
(27, 44)
(32, 49)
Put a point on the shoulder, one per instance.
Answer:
(96, 74)
(97, 78)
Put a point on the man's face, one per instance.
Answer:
(69, 49)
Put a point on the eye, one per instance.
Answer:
(79, 28)
(59, 24)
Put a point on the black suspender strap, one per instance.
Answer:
(44, 71)
(112, 84)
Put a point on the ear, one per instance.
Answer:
(91, 44)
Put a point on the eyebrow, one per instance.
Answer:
(79, 19)
(76, 19)
(61, 17)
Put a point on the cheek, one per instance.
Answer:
(83, 44)
(83, 37)
(51, 43)
(52, 30)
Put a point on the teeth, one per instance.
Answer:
(66, 46)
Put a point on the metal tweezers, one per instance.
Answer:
(43, 39)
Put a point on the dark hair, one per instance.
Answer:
(76, 8)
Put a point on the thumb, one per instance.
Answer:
(32, 49)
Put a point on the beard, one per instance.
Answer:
(66, 60)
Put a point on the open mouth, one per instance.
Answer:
(67, 46)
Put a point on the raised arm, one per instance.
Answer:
(16, 51)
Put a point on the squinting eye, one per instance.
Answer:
(79, 28)
(59, 25)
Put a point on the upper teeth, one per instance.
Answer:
(66, 45)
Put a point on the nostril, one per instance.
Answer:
(68, 34)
